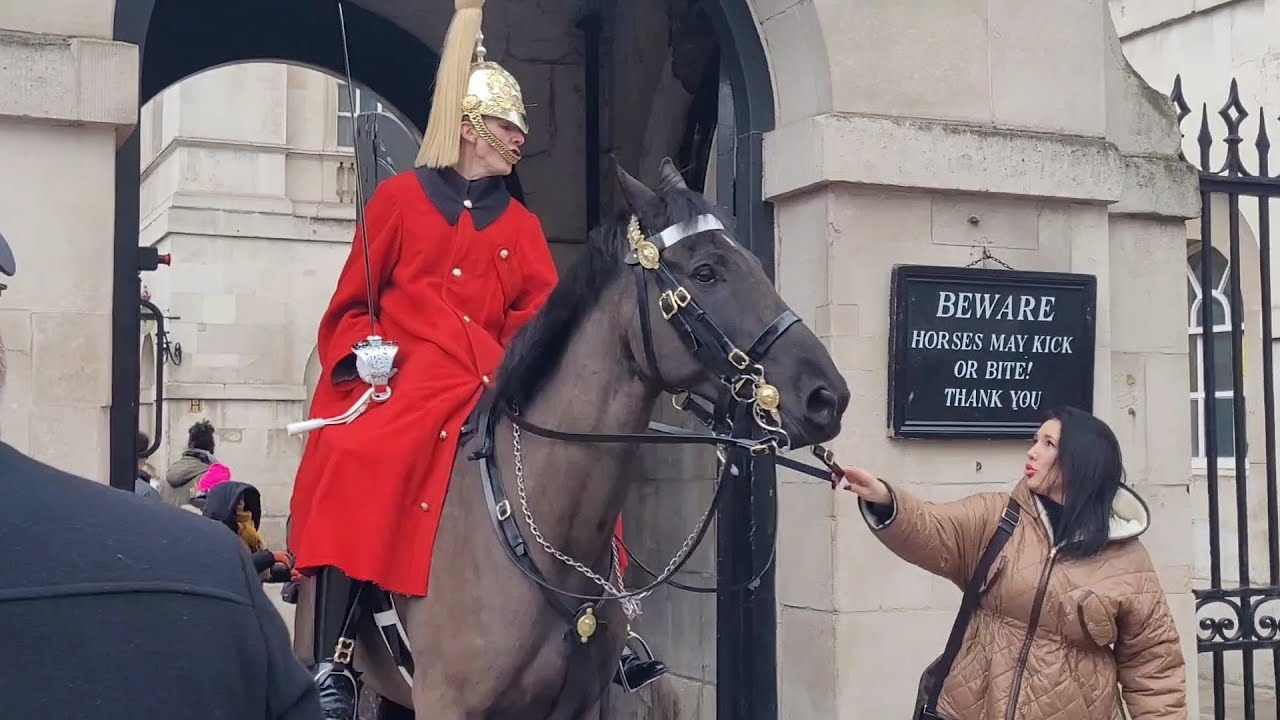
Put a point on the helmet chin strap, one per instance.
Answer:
(482, 129)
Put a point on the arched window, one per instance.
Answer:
(366, 100)
(1222, 393)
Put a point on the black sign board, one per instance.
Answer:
(985, 353)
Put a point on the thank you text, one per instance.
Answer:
(983, 353)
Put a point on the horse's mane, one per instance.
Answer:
(538, 347)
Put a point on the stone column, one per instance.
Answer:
(913, 134)
(67, 93)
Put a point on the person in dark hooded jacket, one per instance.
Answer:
(238, 506)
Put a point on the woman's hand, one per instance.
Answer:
(864, 484)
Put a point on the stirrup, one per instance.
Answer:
(333, 680)
(633, 671)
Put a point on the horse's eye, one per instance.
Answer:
(704, 274)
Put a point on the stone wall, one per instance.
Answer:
(63, 98)
(884, 162)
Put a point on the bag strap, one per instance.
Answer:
(1008, 522)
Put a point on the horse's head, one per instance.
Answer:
(715, 323)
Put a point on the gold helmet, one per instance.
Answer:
(468, 87)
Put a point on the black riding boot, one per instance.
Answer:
(633, 671)
(337, 609)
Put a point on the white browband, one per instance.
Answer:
(688, 228)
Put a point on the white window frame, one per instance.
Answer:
(339, 113)
(1226, 455)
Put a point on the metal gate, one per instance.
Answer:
(1238, 618)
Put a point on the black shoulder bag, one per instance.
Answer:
(926, 707)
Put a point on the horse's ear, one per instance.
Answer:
(670, 175)
(636, 194)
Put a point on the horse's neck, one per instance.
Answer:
(576, 490)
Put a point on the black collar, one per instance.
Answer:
(447, 190)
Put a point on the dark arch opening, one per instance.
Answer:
(180, 38)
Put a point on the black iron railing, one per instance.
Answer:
(1243, 619)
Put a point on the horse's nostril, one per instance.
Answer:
(822, 406)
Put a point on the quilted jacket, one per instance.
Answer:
(1101, 629)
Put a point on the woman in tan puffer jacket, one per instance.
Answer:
(1072, 617)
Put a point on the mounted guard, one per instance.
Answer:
(444, 269)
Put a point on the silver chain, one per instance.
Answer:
(630, 606)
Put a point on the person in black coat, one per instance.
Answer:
(115, 606)
(238, 507)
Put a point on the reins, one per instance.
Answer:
(751, 403)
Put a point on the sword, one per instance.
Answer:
(375, 356)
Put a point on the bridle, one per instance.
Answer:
(746, 426)
(742, 372)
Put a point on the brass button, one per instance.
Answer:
(444, 434)
(425, 507)
(485, 378)
(504, 254)
(466, 204)
(466, 318)
(457, 272)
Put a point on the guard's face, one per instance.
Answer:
(505, 134)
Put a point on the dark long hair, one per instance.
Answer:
(1092, 470)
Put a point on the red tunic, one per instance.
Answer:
(453, 286)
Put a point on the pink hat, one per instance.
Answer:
(215, 475)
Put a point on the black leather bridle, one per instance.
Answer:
(746, 421)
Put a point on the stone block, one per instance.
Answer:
(1167, 539)
(834, 320)
(1022, 60)
(60, 252)
(798, 50)
(15, 330)
(934, 63)
(69, 79)
(1161, 186)
(707, 708)
(861, 353)
(235, 169)
(1148, 261)
(806, 546)
(73, 18)
(867, 576)
(807, 657)
(660, 515)
(205, 113)
(680, 627)
(688, 696)
(1058, 229)
(69, 352)
(803, 236)
(542, 31)
(1128, 411)
(72, 439)
(1168, 419)
(16, 382)
(990, 222)
(870, 687)
(218, 310)
(1134, 15)
(871, 231)
(943, 156)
